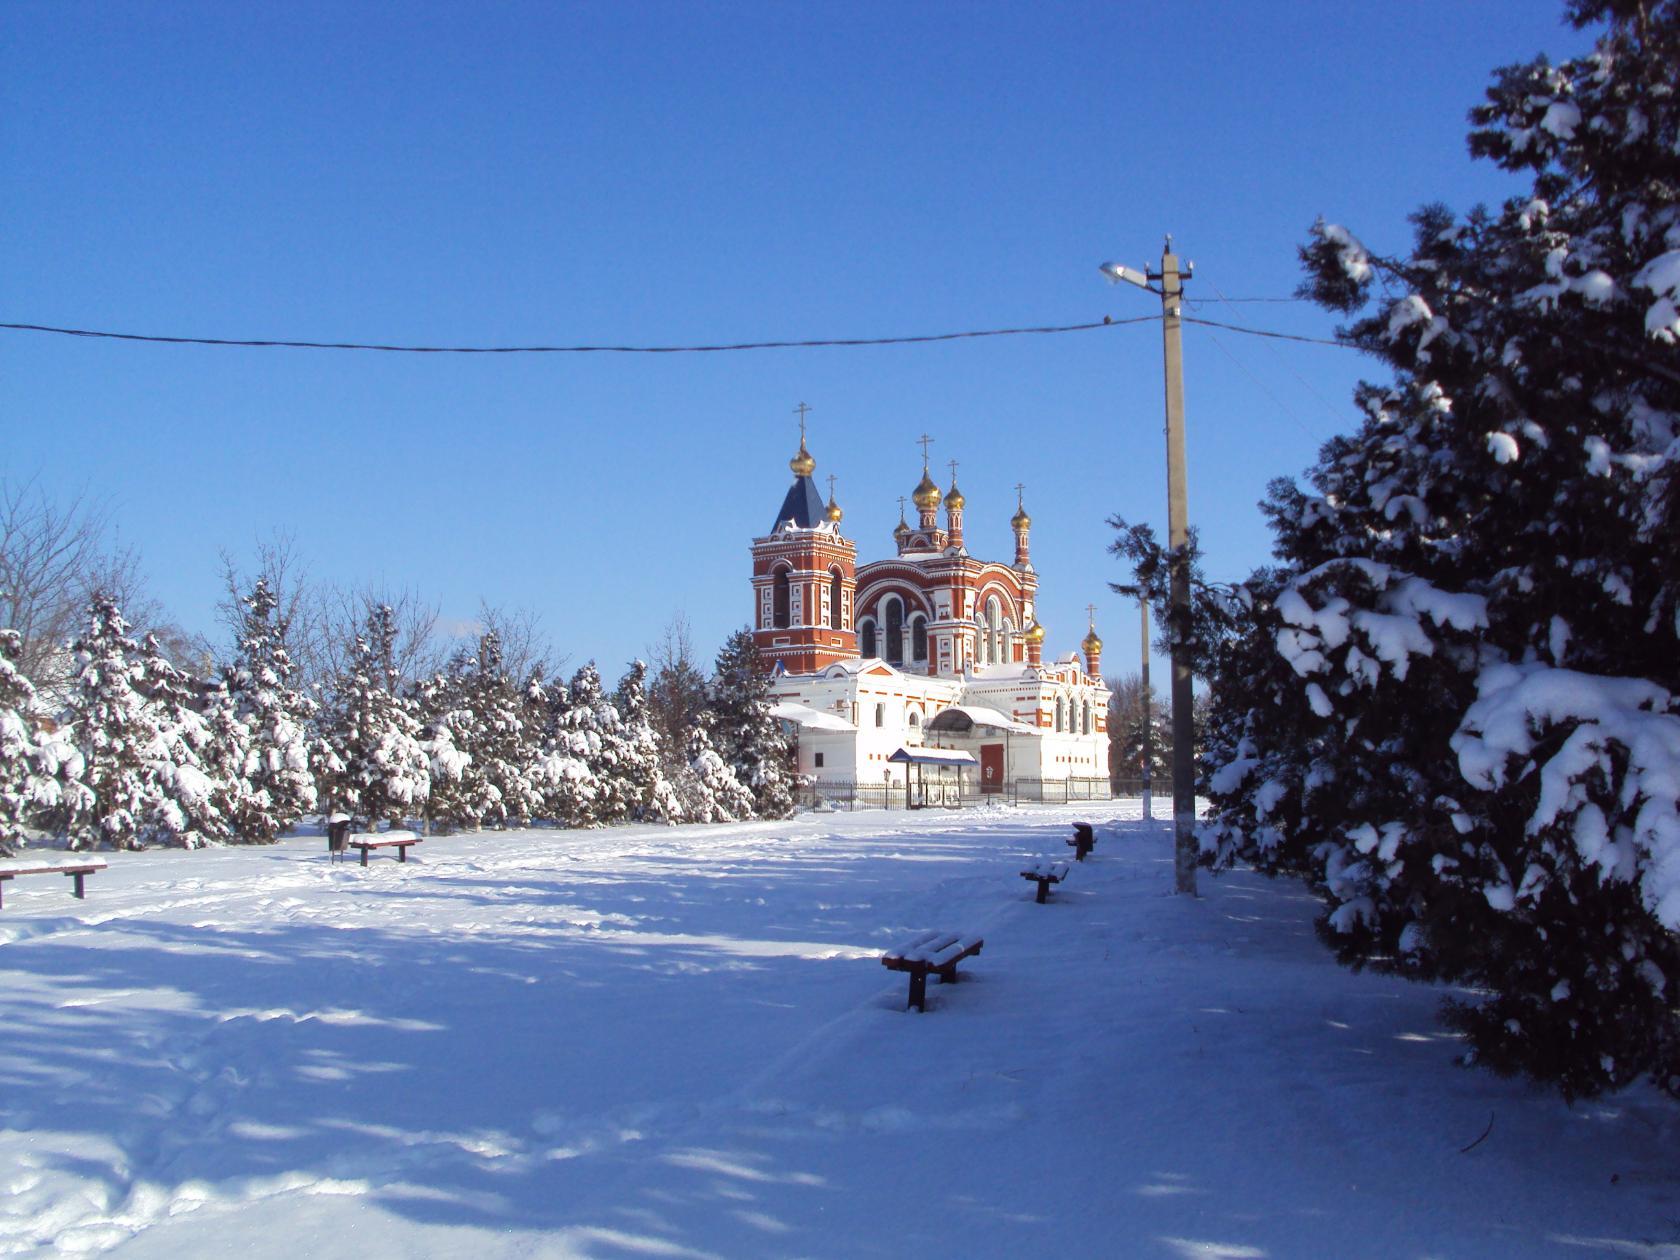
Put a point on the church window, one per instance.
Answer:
(880, 715)
(781, 600)
(918, 638)
(818, 760)
(1087, 718)
(895, 632)
(915, 719)
(1060, 712)
(866, 640)
(834, 591)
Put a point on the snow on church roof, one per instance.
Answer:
(977, 715)
(811, 719)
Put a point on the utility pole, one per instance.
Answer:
(1171, 292)
(1178, 538)
(1148, 714)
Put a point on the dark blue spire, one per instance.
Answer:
(803, 505)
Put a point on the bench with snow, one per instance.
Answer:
(77, 869)
(1046, 873)
(935, 952)
(1083, 840)
(398, 840)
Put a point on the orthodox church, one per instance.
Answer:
(930, 657)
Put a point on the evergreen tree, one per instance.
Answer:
(642, 763)
(746, 735)
(40, 770)
(458, 795)
(1453, 708)
(383, 769)
(183, 800)
(1127, 710)
(114, 732)
(705, 788)
(507, 739)
(677, 697)
(589, 789)
(279, 766)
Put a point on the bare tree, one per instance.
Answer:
(53, 559)
(343, 612)
(524, 644)
(298, 614)
(676, 690)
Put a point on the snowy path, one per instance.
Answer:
(652, 1042)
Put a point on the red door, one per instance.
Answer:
(991, 767)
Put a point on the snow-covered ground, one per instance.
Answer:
(680, 1042)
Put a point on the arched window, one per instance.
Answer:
(1006, 637)
(993, 632)
(915, 719)
(1060, 715)
(1087, 718)
(918, 638)
(866, 640)
(982, 645)
(779, 618)
(880, 715)
(834, 590)
(895, 632)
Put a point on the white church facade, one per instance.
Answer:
(925, 667)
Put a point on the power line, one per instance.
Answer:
(695, 349)
(1264, 332)
(815, 343)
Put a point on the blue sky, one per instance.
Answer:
(671, 174)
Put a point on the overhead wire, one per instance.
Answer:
(717, 348)
(275, 343)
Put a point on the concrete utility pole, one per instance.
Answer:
(1148, 714)
(1171, 292)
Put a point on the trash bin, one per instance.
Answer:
(338, 833)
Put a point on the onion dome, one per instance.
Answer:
(901, 531)
(1035, 633)
(954, 497)
(833, 511)
(802, 463)
(1092, 644)
(1020, 520)
(926, 495)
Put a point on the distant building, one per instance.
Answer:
(930, 648)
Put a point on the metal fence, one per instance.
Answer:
(830, 794)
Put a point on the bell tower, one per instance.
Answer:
(804, 577)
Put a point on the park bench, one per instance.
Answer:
(77, 869)
(935, 952)
(1046, 873)
(398, 840)
(1083, 840)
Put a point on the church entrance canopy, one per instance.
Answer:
(970, 719)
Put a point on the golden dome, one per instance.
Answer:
(1020, 520)
(901, 530)
(1092, 644)
(954, 498)
(926, 495)
(834, 512)
(802, 463)
(1035, 633)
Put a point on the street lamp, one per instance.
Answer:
(1178, 539)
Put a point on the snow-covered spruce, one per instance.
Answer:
(1452, 708)
(745, 733)
(277, 774)
(378, 766)
(40, 768)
